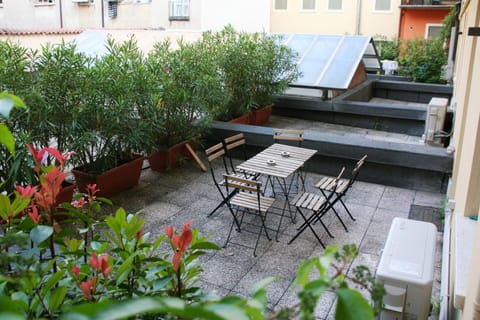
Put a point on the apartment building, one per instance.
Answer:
(198, 15)
(377, 18)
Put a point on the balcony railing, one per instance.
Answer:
(427, 2)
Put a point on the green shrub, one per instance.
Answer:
(423, 60)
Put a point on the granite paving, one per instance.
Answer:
(178, 195)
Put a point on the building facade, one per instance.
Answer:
(198, 15)
(463, 252)
(377, 18)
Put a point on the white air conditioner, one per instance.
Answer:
(81, 1)
(406, 269)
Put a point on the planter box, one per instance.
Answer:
(262, 115)
(112, 181)
(171, 157)
(244, 119)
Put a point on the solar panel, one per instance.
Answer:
(330, 61)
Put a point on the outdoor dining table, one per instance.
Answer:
(278, 162)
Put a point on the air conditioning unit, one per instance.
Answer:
(436, 112)
(81, 1)
(406, 269)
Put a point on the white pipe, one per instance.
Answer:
(446, 304)
(359, 17)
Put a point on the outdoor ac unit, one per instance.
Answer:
(406, 269)
(436, 111)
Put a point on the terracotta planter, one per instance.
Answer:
(244, 119)
(112, 181)
(262, 115)
(170, 158)
(66, 193)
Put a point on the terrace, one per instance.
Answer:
(174, 197)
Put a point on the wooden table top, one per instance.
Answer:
(283, 165)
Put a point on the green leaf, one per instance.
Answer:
(303, 272)
(159, 284)
(228, 311)
(6, 105)
(5, 206)
(56, 298)
(17, 102)
(352, 305)
(205, 245)
(124, 269)
(131, 308)
(6, 138)
(52, 281)
(40, 233)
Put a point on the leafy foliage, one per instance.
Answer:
(49, 272)
(387, 49)
(423, 60)
(253, 68)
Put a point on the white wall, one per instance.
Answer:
(244, 15)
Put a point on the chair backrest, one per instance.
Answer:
(288, 135)
(356, 170)
(232, 143)
(214, 152)
(247, 185)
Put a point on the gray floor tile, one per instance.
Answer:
(185, 193)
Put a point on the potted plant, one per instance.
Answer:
(109, 134)
(188, 87)
(254, 68)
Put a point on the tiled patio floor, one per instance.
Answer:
(187, 193)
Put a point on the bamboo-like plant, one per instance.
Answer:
(187, 88)
(253, 67)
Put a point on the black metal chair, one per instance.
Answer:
(341, 189)
(247, 199)
(293, 137)
(213, 153)
(236, 144)
(319, 205)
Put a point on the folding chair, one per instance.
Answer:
(318, 205)
(214, 152)
(296, 137)
(340, 190)
(288, 135)
(248, 199)
(233, 144)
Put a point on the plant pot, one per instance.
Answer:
(243, 119)
(171, 157)
(112, 181)
(66, 193)
(262, 115)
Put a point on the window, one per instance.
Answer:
(179, 9)
(308, 5)
(280, 4)
(433, 31)
(382, 5)
(334, 4)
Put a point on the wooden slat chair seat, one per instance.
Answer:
(248, 199)
(325, 185)
(318, 204)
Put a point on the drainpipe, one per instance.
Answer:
(102, 8)
(61, 13)
(359, 17)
